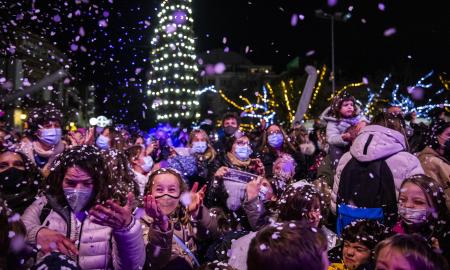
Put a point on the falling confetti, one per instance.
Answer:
(389, 32)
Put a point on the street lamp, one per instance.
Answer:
(337, 16)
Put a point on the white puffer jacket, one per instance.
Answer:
(99, 247)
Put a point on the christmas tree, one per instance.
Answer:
(173, 77)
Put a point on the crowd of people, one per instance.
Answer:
(353, 192)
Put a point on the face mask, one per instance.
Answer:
(275, 140)
(447, 149)
(50, 136)
(199, 147)
(11, 179)
(78, 199)
(148, 164)
(229, 130)
(242, 152)
(167, 202)
(413, 216)
(102, 142)
(262, 193)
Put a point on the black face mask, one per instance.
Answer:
(447, 150)
(11, 180)
(229, 130)
(168, 195)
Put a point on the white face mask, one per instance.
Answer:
(50, 136)
(413, 216)
(199, 147)
(78, 199)
(148, 164)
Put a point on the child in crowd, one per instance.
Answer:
(343, 124)
(175, 221)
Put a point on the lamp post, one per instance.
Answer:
(337, 16)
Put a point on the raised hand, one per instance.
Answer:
(196, 200)
(50, 240)
(221, 172)
(112, 214)
(152, 210)
(252, 188)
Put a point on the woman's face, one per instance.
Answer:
(443, 137)
(77, 178)
(355, 254)
(9, 160)
(105, 132)
(242, 141)
(166, 190)
(139, 141)
(199, 137)
(392, 259)
(269, 194)
(412, 196)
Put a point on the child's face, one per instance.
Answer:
(347, 109)
(314, 215)
(412, 196)
(391, 259)
(355, 254)
(166, 190)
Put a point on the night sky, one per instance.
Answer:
(112, 49)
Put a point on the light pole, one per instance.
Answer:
(337, 16)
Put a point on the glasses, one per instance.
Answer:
(274, 132)
(242, 143)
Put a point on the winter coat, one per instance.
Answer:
(161, 247)
(384, 143)
(99, 247)
(436, 167)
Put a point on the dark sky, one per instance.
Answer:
(116, 55)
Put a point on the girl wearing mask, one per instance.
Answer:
(435, 158)
(175, 221)
(45, 137)
(422, 210)
(78, 216)
(19, 180)
(111, 137)
(141, 165)
(203, 152)
(275, 143)
(237, 157)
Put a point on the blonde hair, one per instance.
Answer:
(210, 153)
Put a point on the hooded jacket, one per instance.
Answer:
(99, 247)
(375, 142)
(436, 167)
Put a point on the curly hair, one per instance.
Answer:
(296, 202)
(337, 104)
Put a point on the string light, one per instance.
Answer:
(286, 99)
(351, 85)
(316, 90)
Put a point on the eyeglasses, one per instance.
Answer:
(274, 132)
(242, 143)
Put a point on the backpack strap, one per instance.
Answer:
(45, 212)
(187, 250)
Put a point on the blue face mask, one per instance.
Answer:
(50, 136)
(275, 140)
(148, 164)
(199, 147)
(242, 152)
(102, 142)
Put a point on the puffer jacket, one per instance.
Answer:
(436, 167)
(161, 247)
(99, 247)
(384, 142)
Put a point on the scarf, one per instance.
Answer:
(57, 149)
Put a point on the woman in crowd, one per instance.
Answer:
(230, 198)
(408, 252)
(275, 143)
(44, 141)
(204, 153)
(422, 210)
(175, 221)
(19, 180)
(78, 216)
(435, 158)
(111, 137)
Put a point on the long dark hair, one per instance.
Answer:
(296, 202)
(89, 159)
(287, 146)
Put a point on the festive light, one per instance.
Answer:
(286, 99)
(345, 88)
(316, 90)
(173, 77)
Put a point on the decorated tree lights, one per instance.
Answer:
(172, 85)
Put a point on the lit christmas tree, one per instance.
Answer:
(173, 78)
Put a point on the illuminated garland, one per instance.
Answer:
(345, 88)
(286, 99)
(316, 90)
